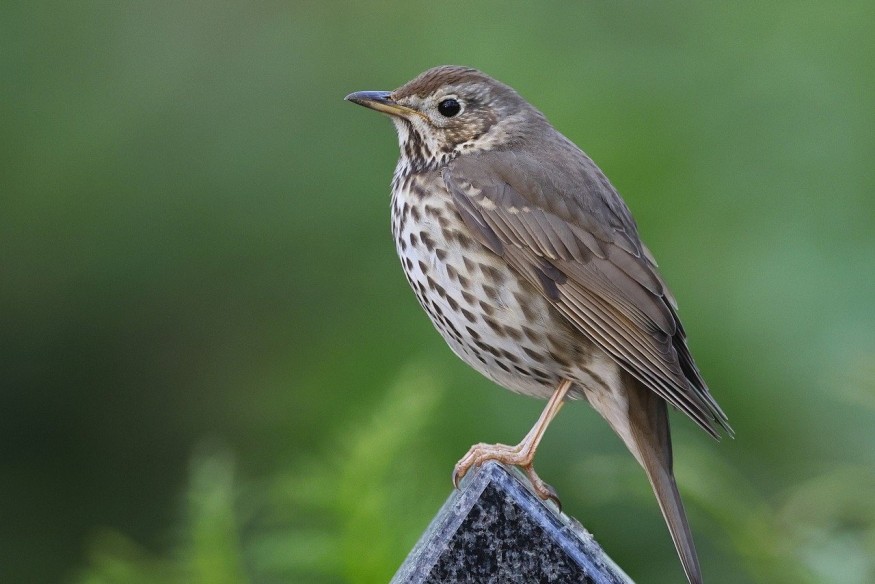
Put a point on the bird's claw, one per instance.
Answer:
(542, 489)
(510, 455)
(476, 455)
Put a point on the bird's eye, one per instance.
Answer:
(449, 107)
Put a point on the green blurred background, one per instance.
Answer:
(213, 370)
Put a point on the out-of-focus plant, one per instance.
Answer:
(332, 518)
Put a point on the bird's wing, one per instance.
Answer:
(579, 245)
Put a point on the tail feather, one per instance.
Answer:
(666, 490)
(640, 418)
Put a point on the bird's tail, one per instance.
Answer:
(646, 434)
(666, 490)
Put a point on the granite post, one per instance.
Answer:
(495, 530)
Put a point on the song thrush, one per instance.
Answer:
(529, 264)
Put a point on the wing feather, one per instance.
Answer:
(581, 247)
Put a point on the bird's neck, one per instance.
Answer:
(420, 152)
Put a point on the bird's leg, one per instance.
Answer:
(523, 454)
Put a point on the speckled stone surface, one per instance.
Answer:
(494, 530)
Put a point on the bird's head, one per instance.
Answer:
(452, 110)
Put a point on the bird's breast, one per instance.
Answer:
(492, 319)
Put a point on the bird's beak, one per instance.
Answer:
(381, 101)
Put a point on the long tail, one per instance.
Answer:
(644, 427)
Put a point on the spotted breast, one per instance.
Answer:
(492, 318)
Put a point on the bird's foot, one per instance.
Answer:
(520, 456)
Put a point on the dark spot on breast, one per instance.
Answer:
(453, 304)
(469, 298)
(441, 254)
(427, 240)
(490, 322)
(525, 305)
(513, 333)
(436, 287)
(427, 308)
(455, 332)
(414, 212)
(418, 190)
(492, 273)
(487, 348)
(490, 292)
(486, 308)
(422, 266)
(532, 335)
(559, 359)
(414, 241)
(474, 334)
(539, 357)
(469, 315)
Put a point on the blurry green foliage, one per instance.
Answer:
(194, 250)
(209, 553)
(332, 518)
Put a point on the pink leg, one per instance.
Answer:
(523, 454)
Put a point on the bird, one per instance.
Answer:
(530, 266)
